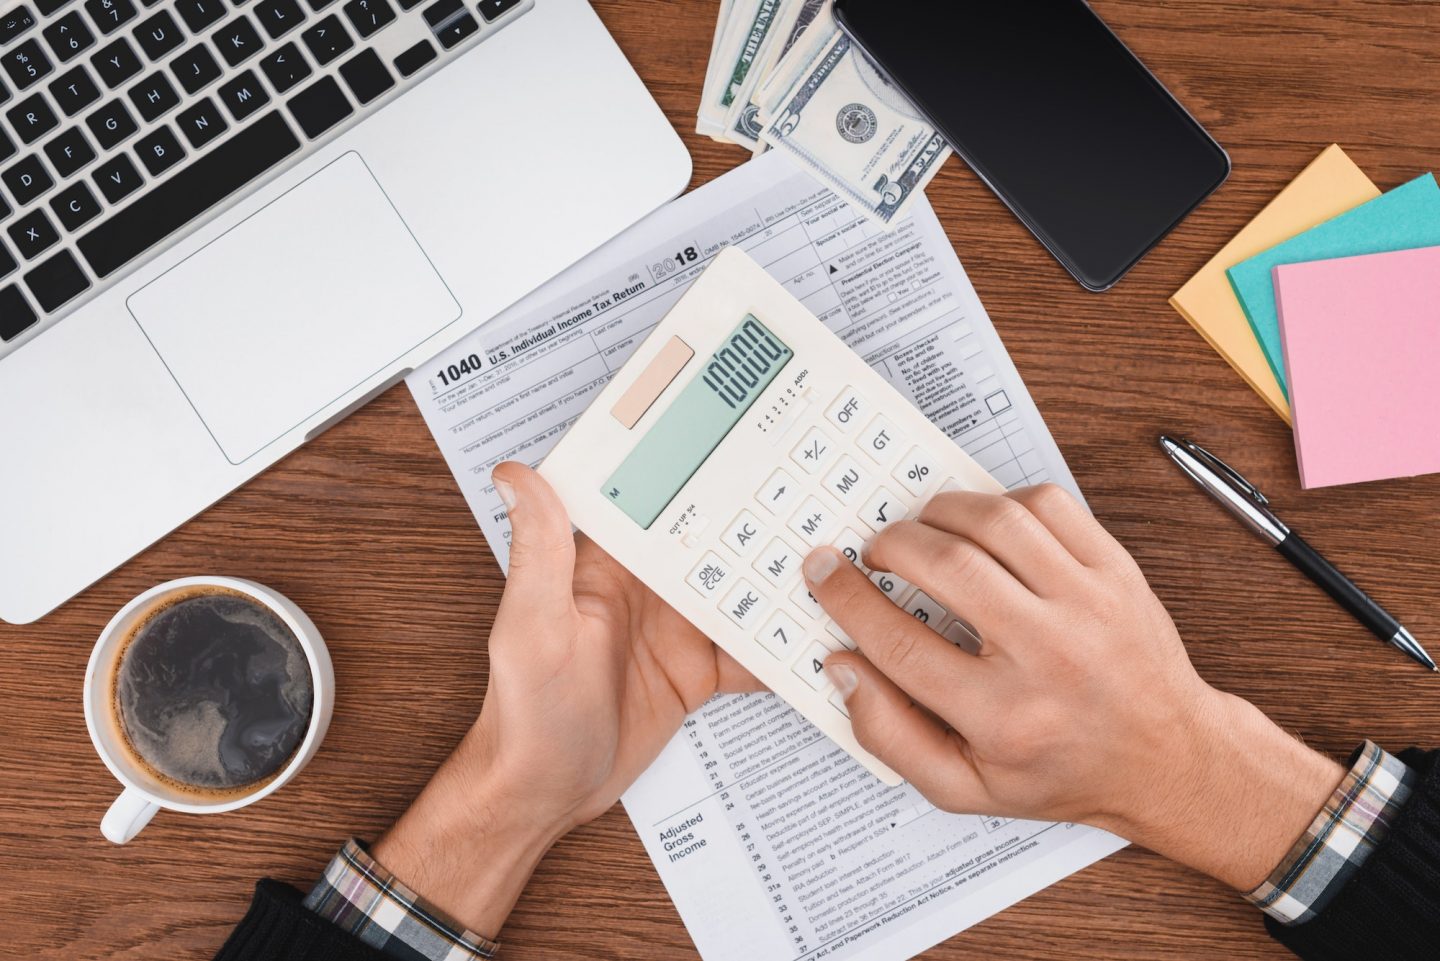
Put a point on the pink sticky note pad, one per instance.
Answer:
(1361, 337)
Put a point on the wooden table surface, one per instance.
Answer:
(366, 530)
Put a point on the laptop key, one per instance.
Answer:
(110, 15)
(69, 35)
(244, 95)
(117, 178)
(16, 317)
(414, 58)
(409, 4)
(153, 96)
(195, 68)
(32, 118)
(27, 179)
(111, 124)
(159, 150)
(75, 206)
(285, 67)
(116, 63)
(5, 210)
(57, 281)
(437, 13)
(190, 192)
(366, 76)
(237, 40)
(47, 7)
(456, 30)
(159, 35)
(14, 23)
(69, 152)
(33, 234)
(320, 106)
(7, 146)
(26, 63)
(279, 17)
(8, 263)
(327, 39)
(74, 90)
(199, 14)
(493, 10)
(369, 16)
(201, 123)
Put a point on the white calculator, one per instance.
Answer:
(741, 435)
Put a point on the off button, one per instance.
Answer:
(847, 410)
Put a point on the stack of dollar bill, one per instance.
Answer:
(783, 75)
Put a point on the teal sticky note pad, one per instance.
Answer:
(1406, 217)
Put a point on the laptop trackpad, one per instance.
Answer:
(294, 307)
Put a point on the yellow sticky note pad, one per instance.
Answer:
(1331, 185)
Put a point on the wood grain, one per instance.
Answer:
(366, 530)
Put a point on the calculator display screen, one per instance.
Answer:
(703, 413)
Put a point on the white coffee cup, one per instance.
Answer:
(144, 793)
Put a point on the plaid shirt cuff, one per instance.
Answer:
(1351, 825)
(358, 895)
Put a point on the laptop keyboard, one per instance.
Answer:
(124, 121)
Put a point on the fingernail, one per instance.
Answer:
(820, 565)
(844, 678)
(506, 492)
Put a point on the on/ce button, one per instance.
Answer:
(845, 413)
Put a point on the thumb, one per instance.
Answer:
(542, 544)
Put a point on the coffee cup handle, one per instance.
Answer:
(128, 816)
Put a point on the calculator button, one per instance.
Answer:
(846, 482)
(838, 632)
(951, 484)
(847, 410)
(806, 602)
(962, 636)
(709, 575)
(812, 522)
(779, 492)
(743, 534)
(745, 605)
(925, 609)
(811, 666)
(893, 585)
(882, 509)
(778, 562)
(837, 701)
(917, 472)
(852, 545)
(880, 440)
(814, 452)
(780, 636)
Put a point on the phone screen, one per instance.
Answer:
(1061, 120)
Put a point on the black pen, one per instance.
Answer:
(1241, 498)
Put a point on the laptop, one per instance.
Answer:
(227, 224)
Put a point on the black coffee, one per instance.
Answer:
(213, 693)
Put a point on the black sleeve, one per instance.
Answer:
(1391, 907)
(278, 927)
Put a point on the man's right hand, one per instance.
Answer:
(1080, 705)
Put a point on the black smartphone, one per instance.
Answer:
(1063, 122)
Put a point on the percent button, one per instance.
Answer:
(916, 472)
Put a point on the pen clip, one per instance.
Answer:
(1215, 463)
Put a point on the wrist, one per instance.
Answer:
(1231, 795)
(469, 843)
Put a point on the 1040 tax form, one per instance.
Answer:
(774, 844)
